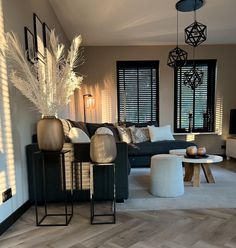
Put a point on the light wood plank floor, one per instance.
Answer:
(202, 228)
(205, 228)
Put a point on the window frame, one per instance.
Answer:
(138, 64)
(211, 101)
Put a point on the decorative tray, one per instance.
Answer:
(196, 156)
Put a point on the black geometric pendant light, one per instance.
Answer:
(193, 78)
(196, 33)
(177, 57)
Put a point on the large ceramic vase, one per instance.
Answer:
(103, 148)
(50, 134)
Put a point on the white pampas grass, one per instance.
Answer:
(47, 85)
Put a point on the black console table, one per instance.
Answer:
(43, 156)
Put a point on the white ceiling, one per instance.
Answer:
(142, 22)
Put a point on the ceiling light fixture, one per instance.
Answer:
(177, 57)
(189, 5)
(195, 34)
(193, 78)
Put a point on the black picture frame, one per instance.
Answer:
(39, 35)
(46, 34)
(29, 45)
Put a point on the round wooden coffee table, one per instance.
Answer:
(193, 166)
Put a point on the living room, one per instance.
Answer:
(114, 32)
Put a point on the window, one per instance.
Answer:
(137, 83)
(199, 102)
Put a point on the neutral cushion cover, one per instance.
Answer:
(104, 130)
(77, 135)
(81, 125)
(160, 133)
(66, 128)
(139, 135)
(125, 134)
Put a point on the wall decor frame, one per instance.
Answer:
(46, 34)
(29, 44)
(38, 34)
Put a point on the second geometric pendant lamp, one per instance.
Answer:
(177, 57)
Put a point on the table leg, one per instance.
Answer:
(196, 175)
(207, 172)
(188, 172)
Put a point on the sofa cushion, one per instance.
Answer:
(77, 135)
(159, 147)
(92, 127)
(114, 131)
(81, 125)
(125, 134)
(66, 124)
(139, 134)
(160, 133)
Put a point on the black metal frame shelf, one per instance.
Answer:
(93, 214)
(68, 215)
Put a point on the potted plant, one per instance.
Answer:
(47, 85)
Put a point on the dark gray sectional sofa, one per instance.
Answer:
(128, 155)
(139, 155)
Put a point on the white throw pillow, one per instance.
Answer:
(160, 133)
(77, 135)
(103, 130)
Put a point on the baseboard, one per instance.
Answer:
(14, 216)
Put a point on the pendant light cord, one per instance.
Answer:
(177, 29)
(194, 16)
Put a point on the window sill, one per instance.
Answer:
(205, 133)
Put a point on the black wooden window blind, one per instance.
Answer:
(200, 102)
(137, 89)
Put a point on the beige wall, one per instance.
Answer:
(100, 71)
(17, 120)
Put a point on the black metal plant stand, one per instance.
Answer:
(111, 213)
(67, 214)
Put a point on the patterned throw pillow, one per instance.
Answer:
(66, 128)
(125, 134)
(139, 134)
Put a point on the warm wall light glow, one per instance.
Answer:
(7, 167)
(104, 93)
(89, 102)
(108, 100)
(190, 137)
(219, 115)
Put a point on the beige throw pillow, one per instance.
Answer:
(139, 135)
